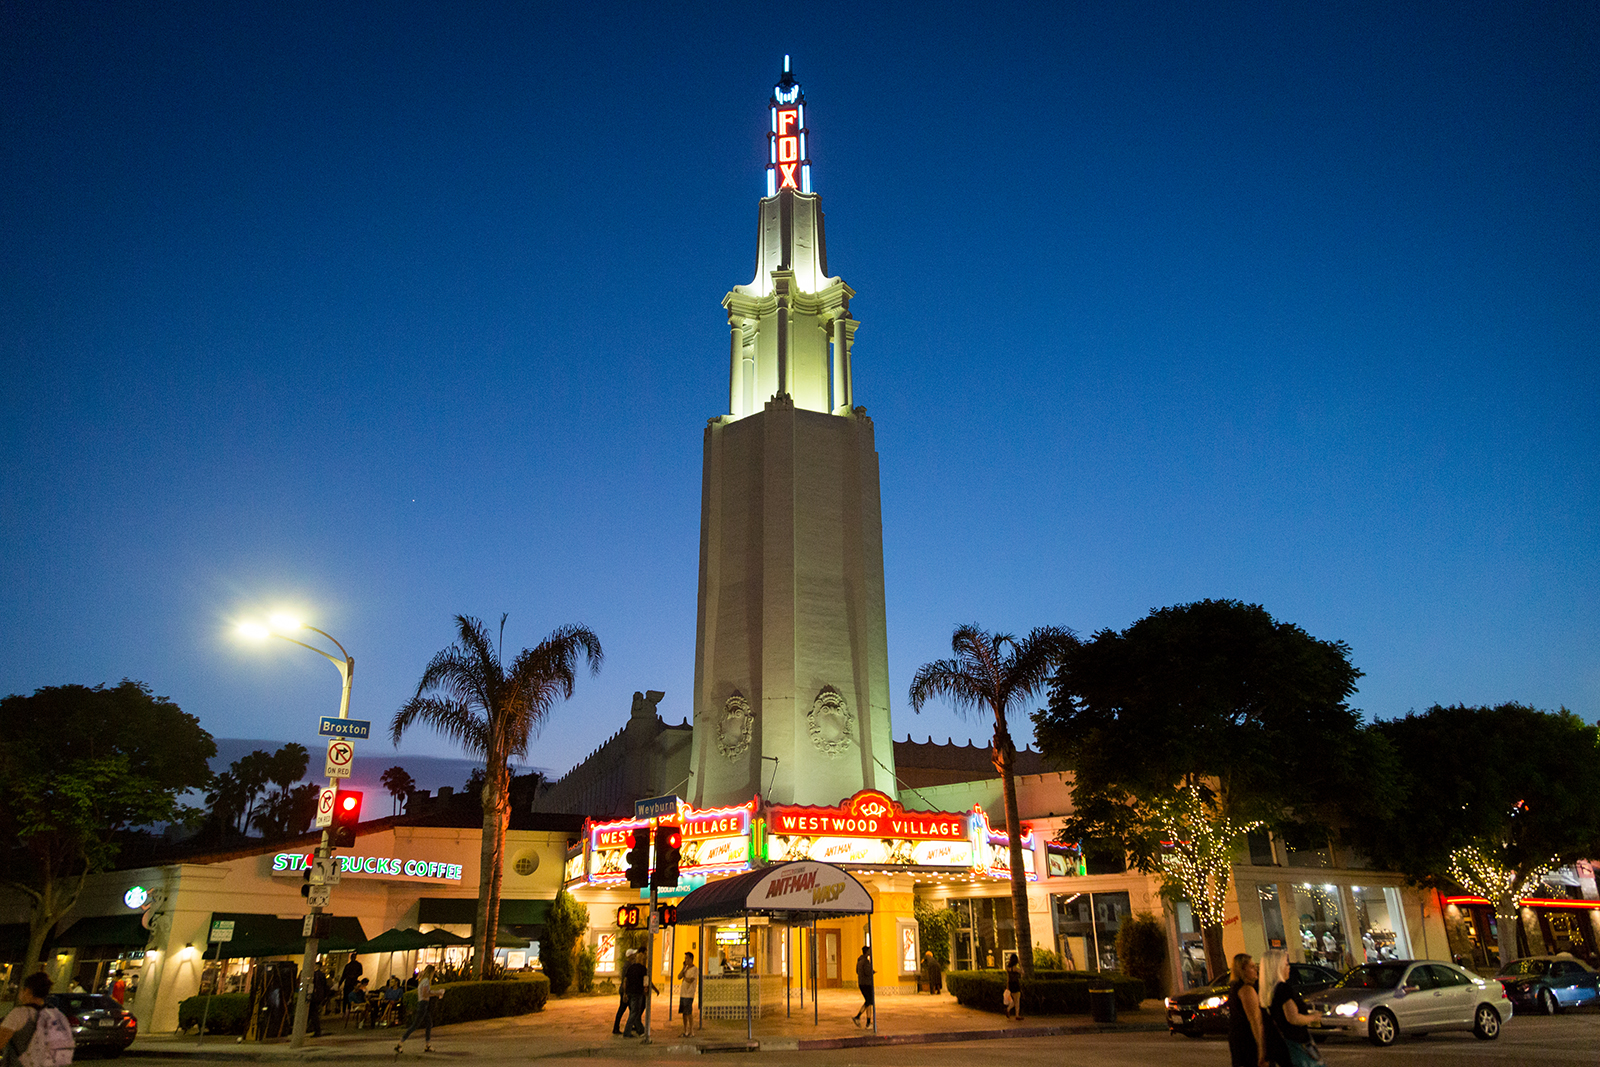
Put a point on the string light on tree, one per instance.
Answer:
(1201, 844)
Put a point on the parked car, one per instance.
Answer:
(1205, 1010)
(98, 1022)
(1549, 983)
(1380, 1001)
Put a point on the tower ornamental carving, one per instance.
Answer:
(738, 721)
(829, 721)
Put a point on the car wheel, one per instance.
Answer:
(1547, 1002)
(1486, 1023)
(1382, 1028)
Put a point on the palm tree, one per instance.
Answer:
(400, 785)
(996, 673)
(467, 695)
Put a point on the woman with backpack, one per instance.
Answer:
(33, 1034)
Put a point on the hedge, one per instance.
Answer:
(229, 1014)
(1046, 993)
(464, 1001)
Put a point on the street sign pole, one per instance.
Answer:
(650, 945)
(302, 1006)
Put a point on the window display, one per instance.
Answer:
(1381, 923)
(1322, 931)
(1086, 928)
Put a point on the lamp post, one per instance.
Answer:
(346, 666)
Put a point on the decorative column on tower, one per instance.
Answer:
(791, 686)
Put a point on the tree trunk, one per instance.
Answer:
(483, 934)
(1507, 916)
(1216, 966)
(1005, 755)
(502, 819)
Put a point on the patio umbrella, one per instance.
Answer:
(507, 939)
(396, 941)
(445, 937)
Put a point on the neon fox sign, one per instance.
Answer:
(788, 164)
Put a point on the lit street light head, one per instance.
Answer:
(285, 623)
(254, 631)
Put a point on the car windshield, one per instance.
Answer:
(1374, 976)
(74, 1002)
(1524, 969)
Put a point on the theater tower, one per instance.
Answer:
(791, 685)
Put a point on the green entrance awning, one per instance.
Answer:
(257, 936)
(463, 911)
(111, 931)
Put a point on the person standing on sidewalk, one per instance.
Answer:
(622, 994)
(424, 1016)
(864, 978)
(319, 997)
(689, 981)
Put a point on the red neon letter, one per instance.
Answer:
(786, 119)
(788, 149)
(787, 170)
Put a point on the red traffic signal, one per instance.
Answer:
(669, 845)
(346, 813)
(639, 857)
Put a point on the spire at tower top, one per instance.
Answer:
(788, 157)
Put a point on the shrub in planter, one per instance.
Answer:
(1142, 948)
(464, 1001)
(1046, 993)
(229, 1013)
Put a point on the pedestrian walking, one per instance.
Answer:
(347, 980)
(1247, 1046)
(424, 1017)
(1288, 1041)
(688, 983)
(1013, 997)
(622, 995)
(864, 979)
(634, 979)
(934, 972)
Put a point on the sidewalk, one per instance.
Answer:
(581, 1026)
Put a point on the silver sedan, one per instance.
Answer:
(1379, 1001)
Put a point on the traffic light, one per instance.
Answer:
(669, 844)
(668, 913)
(639, 857)
(305, 883)
(346, 813)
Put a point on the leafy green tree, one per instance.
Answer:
(995, 675)
(78, 767)
(1142, 951)
(563, 926)
(1492, 799)
(400, 785)
(467, 694)
(1197, 723)
(934, 928)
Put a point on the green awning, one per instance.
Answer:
(257, 936)
(111, 931)
(396, 941)
(463, 911)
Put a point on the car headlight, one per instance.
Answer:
(1212, 1002)
(1347, 1009)
(1169, 1002)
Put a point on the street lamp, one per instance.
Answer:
(281, 626)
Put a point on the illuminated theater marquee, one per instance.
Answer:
(788, 165)
(714, 840)
(871, 829)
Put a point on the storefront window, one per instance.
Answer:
(1086, 928)
(1271, 916)
(984, 932)
(1381, 922)
(1322, 932)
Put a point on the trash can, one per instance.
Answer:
(1103, 1005)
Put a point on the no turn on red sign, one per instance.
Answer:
(325, 807)
(341, 754)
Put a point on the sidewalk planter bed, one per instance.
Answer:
(1046, 993)
(464, 1001)
(229, 1013)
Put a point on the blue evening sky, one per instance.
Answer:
(391, 311)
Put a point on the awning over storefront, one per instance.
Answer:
(803, 890)
(463, 911)
(257, 936)
(109, 931)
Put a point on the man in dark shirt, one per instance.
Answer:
(864, 979)
(634, 979)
